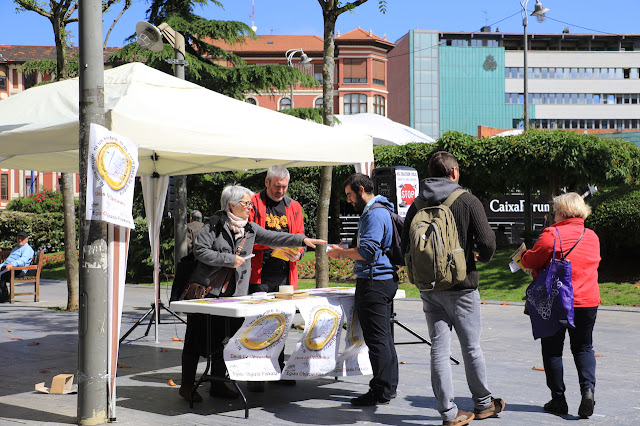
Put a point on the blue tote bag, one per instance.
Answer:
(549, 297)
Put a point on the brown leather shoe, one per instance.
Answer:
(462, 418)
(186, 394)
(496, 406)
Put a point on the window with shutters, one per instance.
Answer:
(378, 72)
(355, 70)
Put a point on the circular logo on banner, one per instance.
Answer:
(407, 194)
(263, 332)
(114, 165)
(323, 328)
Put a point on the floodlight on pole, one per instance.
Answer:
(305, 60)
(539, 13)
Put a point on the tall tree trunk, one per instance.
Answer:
(67, 185)
(326, 173)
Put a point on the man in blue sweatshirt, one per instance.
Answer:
(21, 255)
(376, 286)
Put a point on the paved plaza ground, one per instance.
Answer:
(144, 396)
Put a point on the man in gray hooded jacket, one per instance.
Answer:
(459, 306)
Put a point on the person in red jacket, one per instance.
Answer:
(570, 213)
(274, 211)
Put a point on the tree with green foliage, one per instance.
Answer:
(331, 10)
(201, 55)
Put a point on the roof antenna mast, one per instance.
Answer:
(253, 16)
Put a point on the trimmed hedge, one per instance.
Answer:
(46, 230)
(615, 218)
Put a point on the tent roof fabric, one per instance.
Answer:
(191, 129)
(383, 130)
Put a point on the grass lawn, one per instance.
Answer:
(496, 283)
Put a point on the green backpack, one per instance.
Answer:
(435, 261)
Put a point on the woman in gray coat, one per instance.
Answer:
(226, 241)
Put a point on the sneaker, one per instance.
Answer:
(496, 406)
(369, 399)
(557, 406)
(587, 404)
(462, 418)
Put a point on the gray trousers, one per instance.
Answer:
(460, 310)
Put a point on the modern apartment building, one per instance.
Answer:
(360, 73)
(442, 81)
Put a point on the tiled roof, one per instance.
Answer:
(282, 43)
(274, 43)
(12, 53)
(360, 34)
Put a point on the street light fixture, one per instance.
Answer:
(305, 60)
(539, 13)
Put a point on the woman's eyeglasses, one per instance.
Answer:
(245, 204)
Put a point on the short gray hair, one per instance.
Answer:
(196, 216)
(233, 194)
(277, 171)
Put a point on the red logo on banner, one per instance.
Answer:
(407, 194)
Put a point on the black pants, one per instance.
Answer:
(374, 304)
(4, 279)
(581, 339)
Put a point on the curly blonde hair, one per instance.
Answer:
(571, 205)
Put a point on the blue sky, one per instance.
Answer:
(305, 17)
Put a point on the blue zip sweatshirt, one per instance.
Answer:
(375, 234)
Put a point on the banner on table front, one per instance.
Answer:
(252, 353)
(315, 354)
(113, 163)
(354, 360)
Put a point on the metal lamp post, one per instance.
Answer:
(304, 60)
(539, 13)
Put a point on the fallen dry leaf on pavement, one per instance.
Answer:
(506, 303)
(483, 303)
(535, 367)
(171, 382)
(16, 338)
(598, 355)
(44, 371)
(177, 339)
(402, 362)
(33, 344)
(9, 331)
(123, 366)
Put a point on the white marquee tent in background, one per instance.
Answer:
(384, 132)
(180, 128)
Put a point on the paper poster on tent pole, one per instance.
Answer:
(113, 163)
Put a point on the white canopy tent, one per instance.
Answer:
(383, 130)
(180, 128)
(191, 129)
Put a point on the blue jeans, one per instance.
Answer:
(460, 310)
(374, 303)
(581, 339)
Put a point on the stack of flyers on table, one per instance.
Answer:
(516, 260)
(280, 252)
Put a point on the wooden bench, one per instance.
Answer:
(32, 276)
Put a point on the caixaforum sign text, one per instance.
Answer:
(511, 208)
